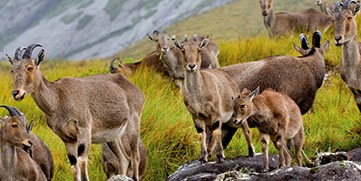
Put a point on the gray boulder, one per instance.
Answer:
(328, 167)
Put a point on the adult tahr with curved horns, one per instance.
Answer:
(16, 164)
(346, 36)
(81, 111)
(296, 77)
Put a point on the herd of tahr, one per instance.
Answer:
(270, 94)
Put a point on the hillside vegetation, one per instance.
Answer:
(237, 20)
(333, 123)
(166, 127)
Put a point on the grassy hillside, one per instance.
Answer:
(333, 124)
(237, 20)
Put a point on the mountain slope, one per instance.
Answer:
(85, 29)
(239, 19)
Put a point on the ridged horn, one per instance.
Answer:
(29, 50)
(112, 63)
(17, 52)
(337, 6)
(156, 32)
(347, 3)
(11, 110)
(304, 42)
(112, 68)
(185, 38)
(316, 39)
(195, 38)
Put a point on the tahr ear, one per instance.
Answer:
(299, 49)
(254, 93)
(176, 44)
(325, 45)
(328, 10)
(203, 43)
(41, 56)
(30, 127)
(120, 62)
(150, 37)
(9, 59)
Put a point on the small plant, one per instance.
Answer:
(84, 21)
(70, 18)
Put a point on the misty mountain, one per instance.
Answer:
(85, 29)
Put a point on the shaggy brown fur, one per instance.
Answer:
(296, 77)
(346, 36)
(284, 23)
(207, 96)
(15, 163)
(151, 61)
(277, 118)
(82, 111)
(172, 57)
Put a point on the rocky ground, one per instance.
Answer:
(327, 166)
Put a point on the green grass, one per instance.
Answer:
(166, 127)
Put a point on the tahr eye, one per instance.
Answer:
(349, 18)
(29, 69)
(242, 106)
(14, 125)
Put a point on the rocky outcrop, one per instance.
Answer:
(328, 166)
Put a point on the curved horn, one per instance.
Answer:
(11, 110)
(356, 7)
(316, 39)
(156, 32)
(21, 51)
(337, 6)
(304, 42)
(17, 52)
(185, 38)
(29, 50)
(112, 67)
(195, 38)
(347, 3)
(112, 62)
(20, 114)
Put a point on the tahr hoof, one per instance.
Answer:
(251, 152)
(265, 170)
(220, 159)
(202, 160)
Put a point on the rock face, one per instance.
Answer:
(86, 29)
(330, 166)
